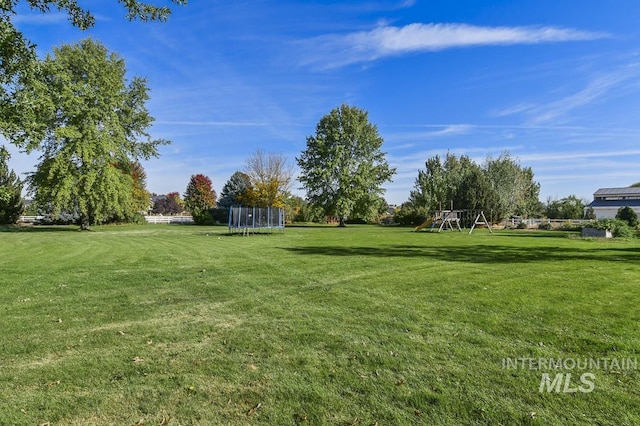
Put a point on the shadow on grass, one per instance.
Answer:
(479, 253)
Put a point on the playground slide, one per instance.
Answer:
(426, 223)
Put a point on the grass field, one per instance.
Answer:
(364, 325)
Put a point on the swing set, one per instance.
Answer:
(450, 219)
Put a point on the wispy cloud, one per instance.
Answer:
(445, 130)
(594, 91)
(336, 50)
(40, 18)
(212, 123)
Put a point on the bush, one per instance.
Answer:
(522, 225)
(410, 216)
(568, 226)
(545, 226)
(618, 228)
(628, 215)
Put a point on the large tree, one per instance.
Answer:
(199, 198)
(17, 53)
(11, 206)
(92, 122)
(343, 168)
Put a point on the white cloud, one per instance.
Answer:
(335, 50)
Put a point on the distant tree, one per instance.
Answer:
(270, 179)
(570, 207)
(517, 192)
(93, 123)
(590, 214)
(140, 197)
(629, 215)
(635, 185)
(234, 190)
(11, 205)
(199, 198)
(476, 191)
(167, 204)
(18, 57)
(343, 168)
(430, 188)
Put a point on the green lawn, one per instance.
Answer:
(364, 325)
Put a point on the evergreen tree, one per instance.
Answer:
(234, 190)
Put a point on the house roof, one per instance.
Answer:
(632, 190)
(614, 203)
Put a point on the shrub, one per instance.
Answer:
(410, 216)
(628, 215)
(618, 228)
(545, 226)
(522, 225)
(569, 226)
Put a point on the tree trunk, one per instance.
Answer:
(343, 222)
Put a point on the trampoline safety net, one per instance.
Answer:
(255, 219)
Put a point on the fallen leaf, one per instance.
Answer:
(121, 333)
(252, 367)
(149, 342)
(138, 359)
(533, 415)
(164, 421)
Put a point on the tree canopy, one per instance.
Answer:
(17, 53)
(343, 168)
(92, 128)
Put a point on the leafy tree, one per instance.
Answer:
(11, 206)
(94, 124)
(430, 188)
(167, 204)
(629, 215)
(514, 185)
(343, 168)
(270, 179)
(199, 198)
(18, 58)
(635, 185)
(140, 197)
(570, 207)
(234, 190)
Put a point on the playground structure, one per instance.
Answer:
(246, 220)
(452, 219)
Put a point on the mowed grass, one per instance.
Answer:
(365, 325)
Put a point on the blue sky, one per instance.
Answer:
(556, 83)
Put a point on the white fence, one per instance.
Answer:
(556, 223)
(169, 219)
(150, 219)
